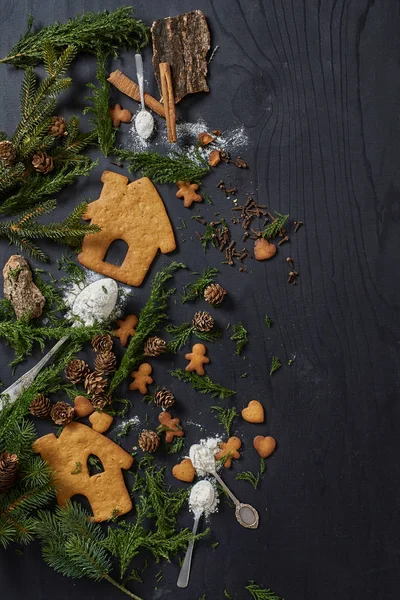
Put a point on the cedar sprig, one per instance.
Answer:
(160, 168)
(203, 385)
(195, 290)
(268, 321)
(176, 446)
(250, 477)
(69, 232)
(225, 416)
(183, 332)
(74, 546)
(150, 318)
(240, 337)
(259, 593)
(89, 32)
(275, 365)
(273, 229)
(33, 488)
(99, 110)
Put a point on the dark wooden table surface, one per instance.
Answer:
(317, 86)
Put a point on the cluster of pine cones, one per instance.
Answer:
(41, 161)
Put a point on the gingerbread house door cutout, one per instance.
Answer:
(68, 458)
(132, 212)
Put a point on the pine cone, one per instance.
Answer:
(203, 321)
(95, 383)
(102, 343)
(40, 406)
(77, 370)
(43, 163)
(164, 398)
(214, 294)
(154, 346)
(105, 363)
(8, 153)
(58, 127)
(99, 401)
(62, 413)
(148, 441)
(8, 470)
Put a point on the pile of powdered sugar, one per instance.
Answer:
(203, 454)
(203, 497)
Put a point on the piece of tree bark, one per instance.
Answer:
(182, 41)
(130, 88)
(19, 288)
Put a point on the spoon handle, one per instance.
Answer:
(228, 491)
(12, 393)
(184, 574)
(139, 71)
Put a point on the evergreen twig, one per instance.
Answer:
(203, 385)
(178, 166)
(240, 337)
(150, 318)
(273, 229)
(260, 593)
(195, 290)
(225, 416)
(99, 110)
(88, 32)
(275, 365)
(183, 332)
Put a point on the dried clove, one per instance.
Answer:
(298, 225)
(239, 162)
(290, 261)
(283, 240)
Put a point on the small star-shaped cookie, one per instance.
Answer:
(187, 191)
(197, 358)
(127, 328)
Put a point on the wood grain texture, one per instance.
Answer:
(317, 85)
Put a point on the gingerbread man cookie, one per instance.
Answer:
(141, 378)
(126, 328)
(187, 191)
(197, 358)
(170, 426)
(229, 451)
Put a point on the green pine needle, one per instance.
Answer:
(275, 365)
(260, 593)
(178, 166)
(88, 32)
(183, 332)
(268, 322)
(177, 446)
(273, 229)
(240, 337)
(150, 318)
(195, 290)
(203, 384)
(225, 416)
(250, 477)
(99, 110)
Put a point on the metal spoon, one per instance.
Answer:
(184, 573)
(245, 514)
(106, 298)
(144, 121)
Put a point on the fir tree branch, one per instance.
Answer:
(275, 365)
(195, 290)
(100, 115)
(183, 332)
(203, 385)
(88, 32)
(225, 416)
(177, 166)
(260, 593)
(268, 321)
(273, 229)
(240, 337)
(150, 318)
(250, 477)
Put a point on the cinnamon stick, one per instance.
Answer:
(167, 90)
(131, 89)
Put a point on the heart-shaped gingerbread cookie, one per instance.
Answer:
(184, 471)
(254, 412)
(264, 445)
